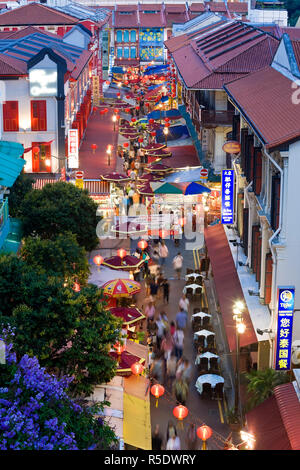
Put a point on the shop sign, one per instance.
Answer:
(43, 82)
(231, 146)
(227, 196)
(73, 159)
(286, 300)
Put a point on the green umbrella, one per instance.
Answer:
(168, 188)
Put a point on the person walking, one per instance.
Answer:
(171, 370)
(171, 430)
(191, 438)
(166, 290)
(153, 288)
(160, 330)
(163, 252)
(178, 343)
(184, 303)
(181, 319)
(180, 390)
(185, 370)
(173, 443)
(156, 439)
(177, 264)
(157, 368)
(167, 345)
(149, 312)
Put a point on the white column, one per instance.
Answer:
(284, 195)
(264, 248)
(219, 154)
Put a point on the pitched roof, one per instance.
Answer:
(10, 66)
(212, 56)
(289, 407)
(259, 96)
(126, 21)
(35, 14)
(196, 7)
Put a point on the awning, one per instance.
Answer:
(11, 163)
(289, 408)
(266, 424)
(171, 113)
(156, 69)
(228, 285)
(187, 176)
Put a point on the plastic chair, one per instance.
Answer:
(206, 323)
(214, 363)
(204, 363)
(218, 391)
(206, 391)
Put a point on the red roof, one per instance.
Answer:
(237, 7)
(216, 6)
(35, 14)
(228, 285)
(259, 96)
(296, 49)
(11, 66)
(126, 21)
(195, 7)
(289, 407)
(294, 33)
(27, 31)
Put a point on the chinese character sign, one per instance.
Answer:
(73, 148)
(227, 196)
(286, 298)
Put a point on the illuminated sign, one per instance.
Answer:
(232, 147)
(227, 196)
(73, 160)
(43, 82)
(286, 300)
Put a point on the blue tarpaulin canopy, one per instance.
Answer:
(196, 188)
(171, 113)
(117, 70)
(11, 163)
(156, 69)
(163, 99)
(187, 176)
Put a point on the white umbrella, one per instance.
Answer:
(212, 379)
(104, 274)
(200, 315)
(208, 355)
(193, 287)
(205, 333)
(193, 275)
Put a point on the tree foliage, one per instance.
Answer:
(60, 208)
(60, 256)
(36, 412)
(21, 187)
(261, 384)
(293, 8)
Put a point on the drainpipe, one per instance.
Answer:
(274, 268)
(248, 261)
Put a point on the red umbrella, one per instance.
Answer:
(121, 287)
(159, 167)
(127, 262)
(125, 361)
(115, 177)
(154, 147)
(145, 190)
(130, 136)
(159, 153)
(129, 315)
(149, 177)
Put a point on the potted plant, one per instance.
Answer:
(233, 420)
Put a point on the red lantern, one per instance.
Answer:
(153, 133)
(128, 97)
(167, 119)
(98, 260)
(151, 121)
(157, 391)
(36, 149)
(147, 104)
(140, 140)
(137, 108)
(180, 412)
(94, 147)
(106, 110)
(138, 98)
(142, 244)
(116, 110)
(137, 368)
(118, 95)
(127, 110)
(107, 82)
(126, 144)
(133, 120)
(122, 253)
(76, 286)
(174, 95)
(204, 432)
(167, 124)
(102, 111)
(94, 109)
(118, 116)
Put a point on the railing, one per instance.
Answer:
(3, 213)
(216, 117)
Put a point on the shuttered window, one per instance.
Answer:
(257, 174)
(268, 278)
(39, 115)
(10, 116)
(275, 201)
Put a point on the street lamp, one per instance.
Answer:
(108, 151)
(114, 118)
(166, 132)
(240, 328)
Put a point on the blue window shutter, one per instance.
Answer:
(126, 36)
(119, 36)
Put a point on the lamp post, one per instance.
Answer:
(166, 132)
(114, 118)
(240, 329)
(108, 151)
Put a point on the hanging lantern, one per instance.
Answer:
(180, 412)
(151, 121)
(122, 253)
(118, 95)
(118, 116)
(102, 112)
(140, 140)
(147, 104)
(204, 433)
(94, 109)
(167, 119)
(107, 82)
(167, 124)
(153, 133)
(128, 97)
(36, 149)
(116, 110)
(138, 98)
(137, 368)
(76, 286)
(126, 144)
(94, 147)
(142, 244)
(127, 110)
(106, 110)
(157, 391)
(137, 108)
(119, 347)
(133, 119)
(98, 260)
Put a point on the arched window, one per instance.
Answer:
(119, 36)
(133, 36)
(126, 36)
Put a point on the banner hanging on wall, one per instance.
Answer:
(227, 196)
(286, 300)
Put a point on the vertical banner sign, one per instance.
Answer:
(286, 300)
(73, 160)
(227, 196)
(96, 90)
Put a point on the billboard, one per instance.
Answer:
(227, 196)
(286, 300)
(43, 82)
(73, 157)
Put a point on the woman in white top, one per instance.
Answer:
(184, 303)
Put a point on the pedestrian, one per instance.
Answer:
(130, 197)
(146, 258)
(180, 390)
(149, 312)
(166, 290)
(171, 366)
(181, 319)
(184, 303)
(177, 264)
(171, 430)
(156, 438)
(157, 368)
(163, 252)
(161, 329)
(191, 438)
(173, 443)
(153, 287)
(167, 345)
(136, 198)
(184, 369)
(152, 330)
(155, 253)
(178, 343)
(172, 328)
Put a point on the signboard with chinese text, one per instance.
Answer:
(96, 90)
(286, 300)
(227, 196)
(73, 160)
(232, 147)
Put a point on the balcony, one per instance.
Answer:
(216, 118)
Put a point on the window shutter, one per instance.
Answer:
(257, 171)
(268, 278)
(275, 201)
(38, 115)
(10, 116)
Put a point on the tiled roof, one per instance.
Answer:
(152, 20)
(237, 7)
(126, 21)
(11, 66)
(259, 96)
(216, 6)
(26, 32)
(35, 14)
(178, 17)
(195, 7)
(294, 33)
(228, 48)
(296, 49)
(289, 408)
